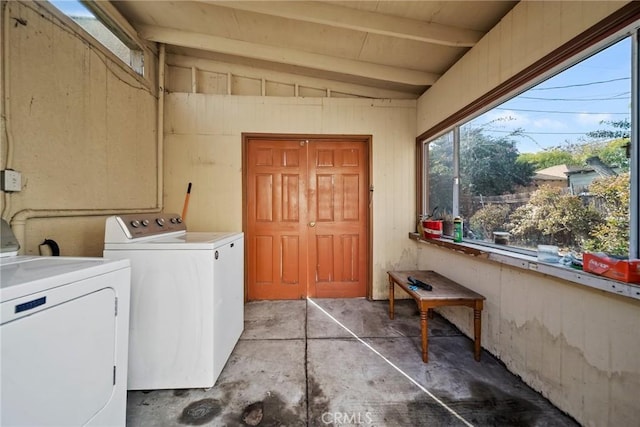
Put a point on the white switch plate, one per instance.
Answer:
(10, 180)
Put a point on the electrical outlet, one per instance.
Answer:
(10, 180)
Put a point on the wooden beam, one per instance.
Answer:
(286, 56)
(359, 20)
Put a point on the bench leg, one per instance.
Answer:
(477, 328)
(391, 298)
(424, 329)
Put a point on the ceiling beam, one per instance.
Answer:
(286, 56)
(360, 20)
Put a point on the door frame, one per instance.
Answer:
(368, 141)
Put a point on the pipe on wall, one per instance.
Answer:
(7, 161)
(160, 125)
(20, 218)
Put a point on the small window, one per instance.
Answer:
(124, 48)
(550, 166)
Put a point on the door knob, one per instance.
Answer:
(312, 224)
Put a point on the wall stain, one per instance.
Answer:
(612, 400)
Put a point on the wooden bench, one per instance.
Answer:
(445, 292)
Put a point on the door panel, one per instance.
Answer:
(307, 222)
(338, 207)
(276, 236)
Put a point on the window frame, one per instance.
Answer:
(108, 16)
(623, 23)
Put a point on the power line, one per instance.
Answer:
(615, 97)
(555, 112)
(582, 84)
(539, 133)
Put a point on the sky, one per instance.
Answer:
(570, 104)
(71, 7)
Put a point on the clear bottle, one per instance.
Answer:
(457, 229)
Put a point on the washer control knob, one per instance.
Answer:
(135, 223)
(145, 222)
(179, 219)
(174, 220)
(160, 221)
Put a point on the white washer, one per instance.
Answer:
(64, 336)
(187, 299)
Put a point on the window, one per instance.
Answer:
(86, 16)
(550, 166)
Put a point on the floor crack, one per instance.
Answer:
(306, 357)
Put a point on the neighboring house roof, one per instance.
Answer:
(553, 173)
(545, 177)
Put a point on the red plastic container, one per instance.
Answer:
(432, 229)
(618, 269)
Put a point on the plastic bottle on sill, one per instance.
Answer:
(457, 229)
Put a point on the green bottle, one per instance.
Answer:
(457, 229)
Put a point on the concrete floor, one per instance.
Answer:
(295, 365)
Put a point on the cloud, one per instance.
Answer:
(592, 119)
(549, 124)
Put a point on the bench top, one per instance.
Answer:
(443, 288)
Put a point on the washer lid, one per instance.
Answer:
(191, 240)
(24, 275)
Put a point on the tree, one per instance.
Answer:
(547, 158)
(441, 175)
(490, 218)
(489, 165)
(553, 217)
(621, 130)
(612, 199)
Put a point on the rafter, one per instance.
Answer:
(286, 56)
(354, 19)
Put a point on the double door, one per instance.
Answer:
(307, 217)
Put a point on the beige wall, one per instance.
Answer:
(83, 132)
(576, 345)
(203, 146)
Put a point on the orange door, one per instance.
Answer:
(337, 231)
(276, 214)
(306, 218)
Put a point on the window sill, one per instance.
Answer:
(527, 262)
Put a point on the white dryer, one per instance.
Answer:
(64, 337)
(187, 299)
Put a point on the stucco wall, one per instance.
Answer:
(83, 131)
(203, 145)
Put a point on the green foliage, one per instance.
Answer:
(490, 218)
(489, 165)
(441, 174)
(621, 130)
(553, 217)
(610, 145)
(547, 158)
(612, 234)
